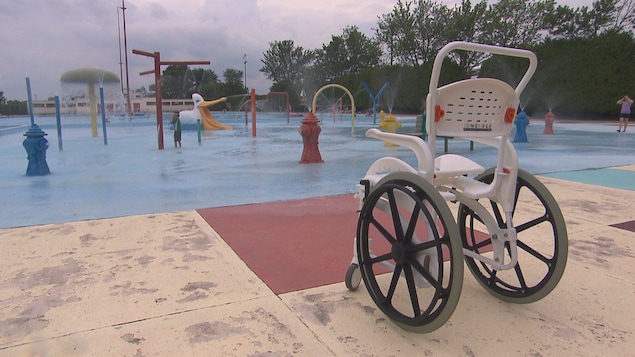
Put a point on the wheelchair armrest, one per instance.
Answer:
(425, 161)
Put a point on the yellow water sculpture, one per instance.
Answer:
(389, 124)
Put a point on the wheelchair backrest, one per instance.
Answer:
(474, 108)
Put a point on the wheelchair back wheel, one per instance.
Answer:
(541, 239)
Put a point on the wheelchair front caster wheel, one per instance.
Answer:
(353, 277)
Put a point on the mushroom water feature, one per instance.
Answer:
(84, 80)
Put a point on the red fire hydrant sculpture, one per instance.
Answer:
(549, 117)
(310, 131)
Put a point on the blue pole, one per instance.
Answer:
(380, 92)
(372, 97)
(382, 89)
(28, 92)
(58, 118)
(198, 129)
(103, 114)
(375, 98)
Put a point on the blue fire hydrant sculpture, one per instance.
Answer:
(35, 145)
(521, 122)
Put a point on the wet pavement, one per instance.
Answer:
(130, 175)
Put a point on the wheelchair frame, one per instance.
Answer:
(406, 218)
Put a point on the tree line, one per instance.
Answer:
(12, 107)
(586, 54)
(586, 57)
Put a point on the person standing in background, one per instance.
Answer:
(625, 112)
(176, 121)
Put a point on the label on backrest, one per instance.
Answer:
(477, 127)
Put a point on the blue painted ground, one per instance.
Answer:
(622, 179)
(130, 175)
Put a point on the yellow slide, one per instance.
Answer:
(208, 120)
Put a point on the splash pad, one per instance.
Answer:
(233, 167)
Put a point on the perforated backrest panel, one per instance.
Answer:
(478, 107)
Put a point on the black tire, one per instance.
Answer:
(542, 242)
(423, 289)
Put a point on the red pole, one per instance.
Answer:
(253, 112)
(334, 112)
(157, 85)
(288, 109)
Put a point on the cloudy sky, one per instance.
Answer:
(42, 39)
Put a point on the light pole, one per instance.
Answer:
(125, 46)
(245, 60)
(120, 59)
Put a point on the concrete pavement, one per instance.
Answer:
(169, 284)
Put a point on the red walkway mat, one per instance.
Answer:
(629, 226)
(291, 245)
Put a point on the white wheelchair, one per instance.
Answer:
(409, 248)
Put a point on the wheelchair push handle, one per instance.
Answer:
(477, 47)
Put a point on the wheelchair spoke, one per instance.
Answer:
(379, 259)
(412, 290)
(497, 215)
(396, 218)
(428, 244)
(521, 278)
(474, 245)
(393, 285)
(478, 246)
(414, 218)
(384, 232)
(519, 272)
(425, 273)
(533, 252)
(532, 223)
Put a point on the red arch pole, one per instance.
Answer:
(157, 84)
